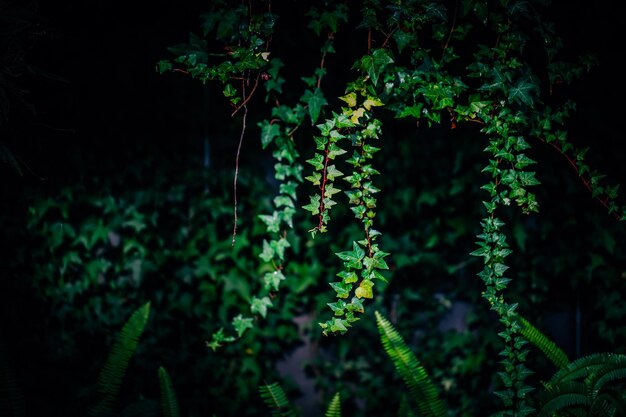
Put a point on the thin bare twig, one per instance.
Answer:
(243, 131)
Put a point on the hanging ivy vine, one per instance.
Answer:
(467, 62)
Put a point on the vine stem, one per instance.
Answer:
(331, 36)
(584, 181)
(243, 131)
(323, 186)
(247, 99)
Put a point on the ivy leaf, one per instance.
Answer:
(279, 247)
(314, 205)
(268, 253)
(320, 142)
(334, 150)
(365, 289)
(332, 173)
(289, 188)
(412, 111)
(241, 324)
(349, 277)
(355, 305)
(338, 308)
(268, 132)
(329, 191)
(260, 305)
(272, 280)
(499, 269)
(350, 99)
(272, 222)
(317, 161)
(521, 92)
(342, 290)
(372, 102)
(375, 63)
(315, 101)
(314, 178)
(283, 200)
(354, 118)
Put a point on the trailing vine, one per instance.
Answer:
(442, 78)
(279, 131)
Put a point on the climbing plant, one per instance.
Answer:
(491, 66)
(381, 155)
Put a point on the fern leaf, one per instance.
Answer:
(334, 408)
(114, 369)
(565, 395)
(410, 369)
(169, 402)
(609, 403)
(274, 397)
(582, 367)
(614, 370)
(547, 346)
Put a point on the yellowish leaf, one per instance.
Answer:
(356, 114)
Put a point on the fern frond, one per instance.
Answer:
(615, 369)
(274, 397)
(410, 369)
(114, 369)
(547, 346)
(334, 408)
(607, 405)
(169, 402)
(582, 367)
(565, 395)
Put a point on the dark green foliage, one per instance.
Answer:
(114, 369)
(169, 401)
(594, 385)
(274, 397)
(551, 350)
(417, 380)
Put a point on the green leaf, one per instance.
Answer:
(268, 253)
(365, 289)
(272, 280)
(314, 205)
(332, 173)
(272, 222)
(372, 102)
(289, 188)
(375, 63)
(342, 290)
(315, 101)
(260, 305)
(334, 150)
(317, 161)
(349, 277)
(350, 99)
(241, 324)
(268, 132)
(522, 92)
